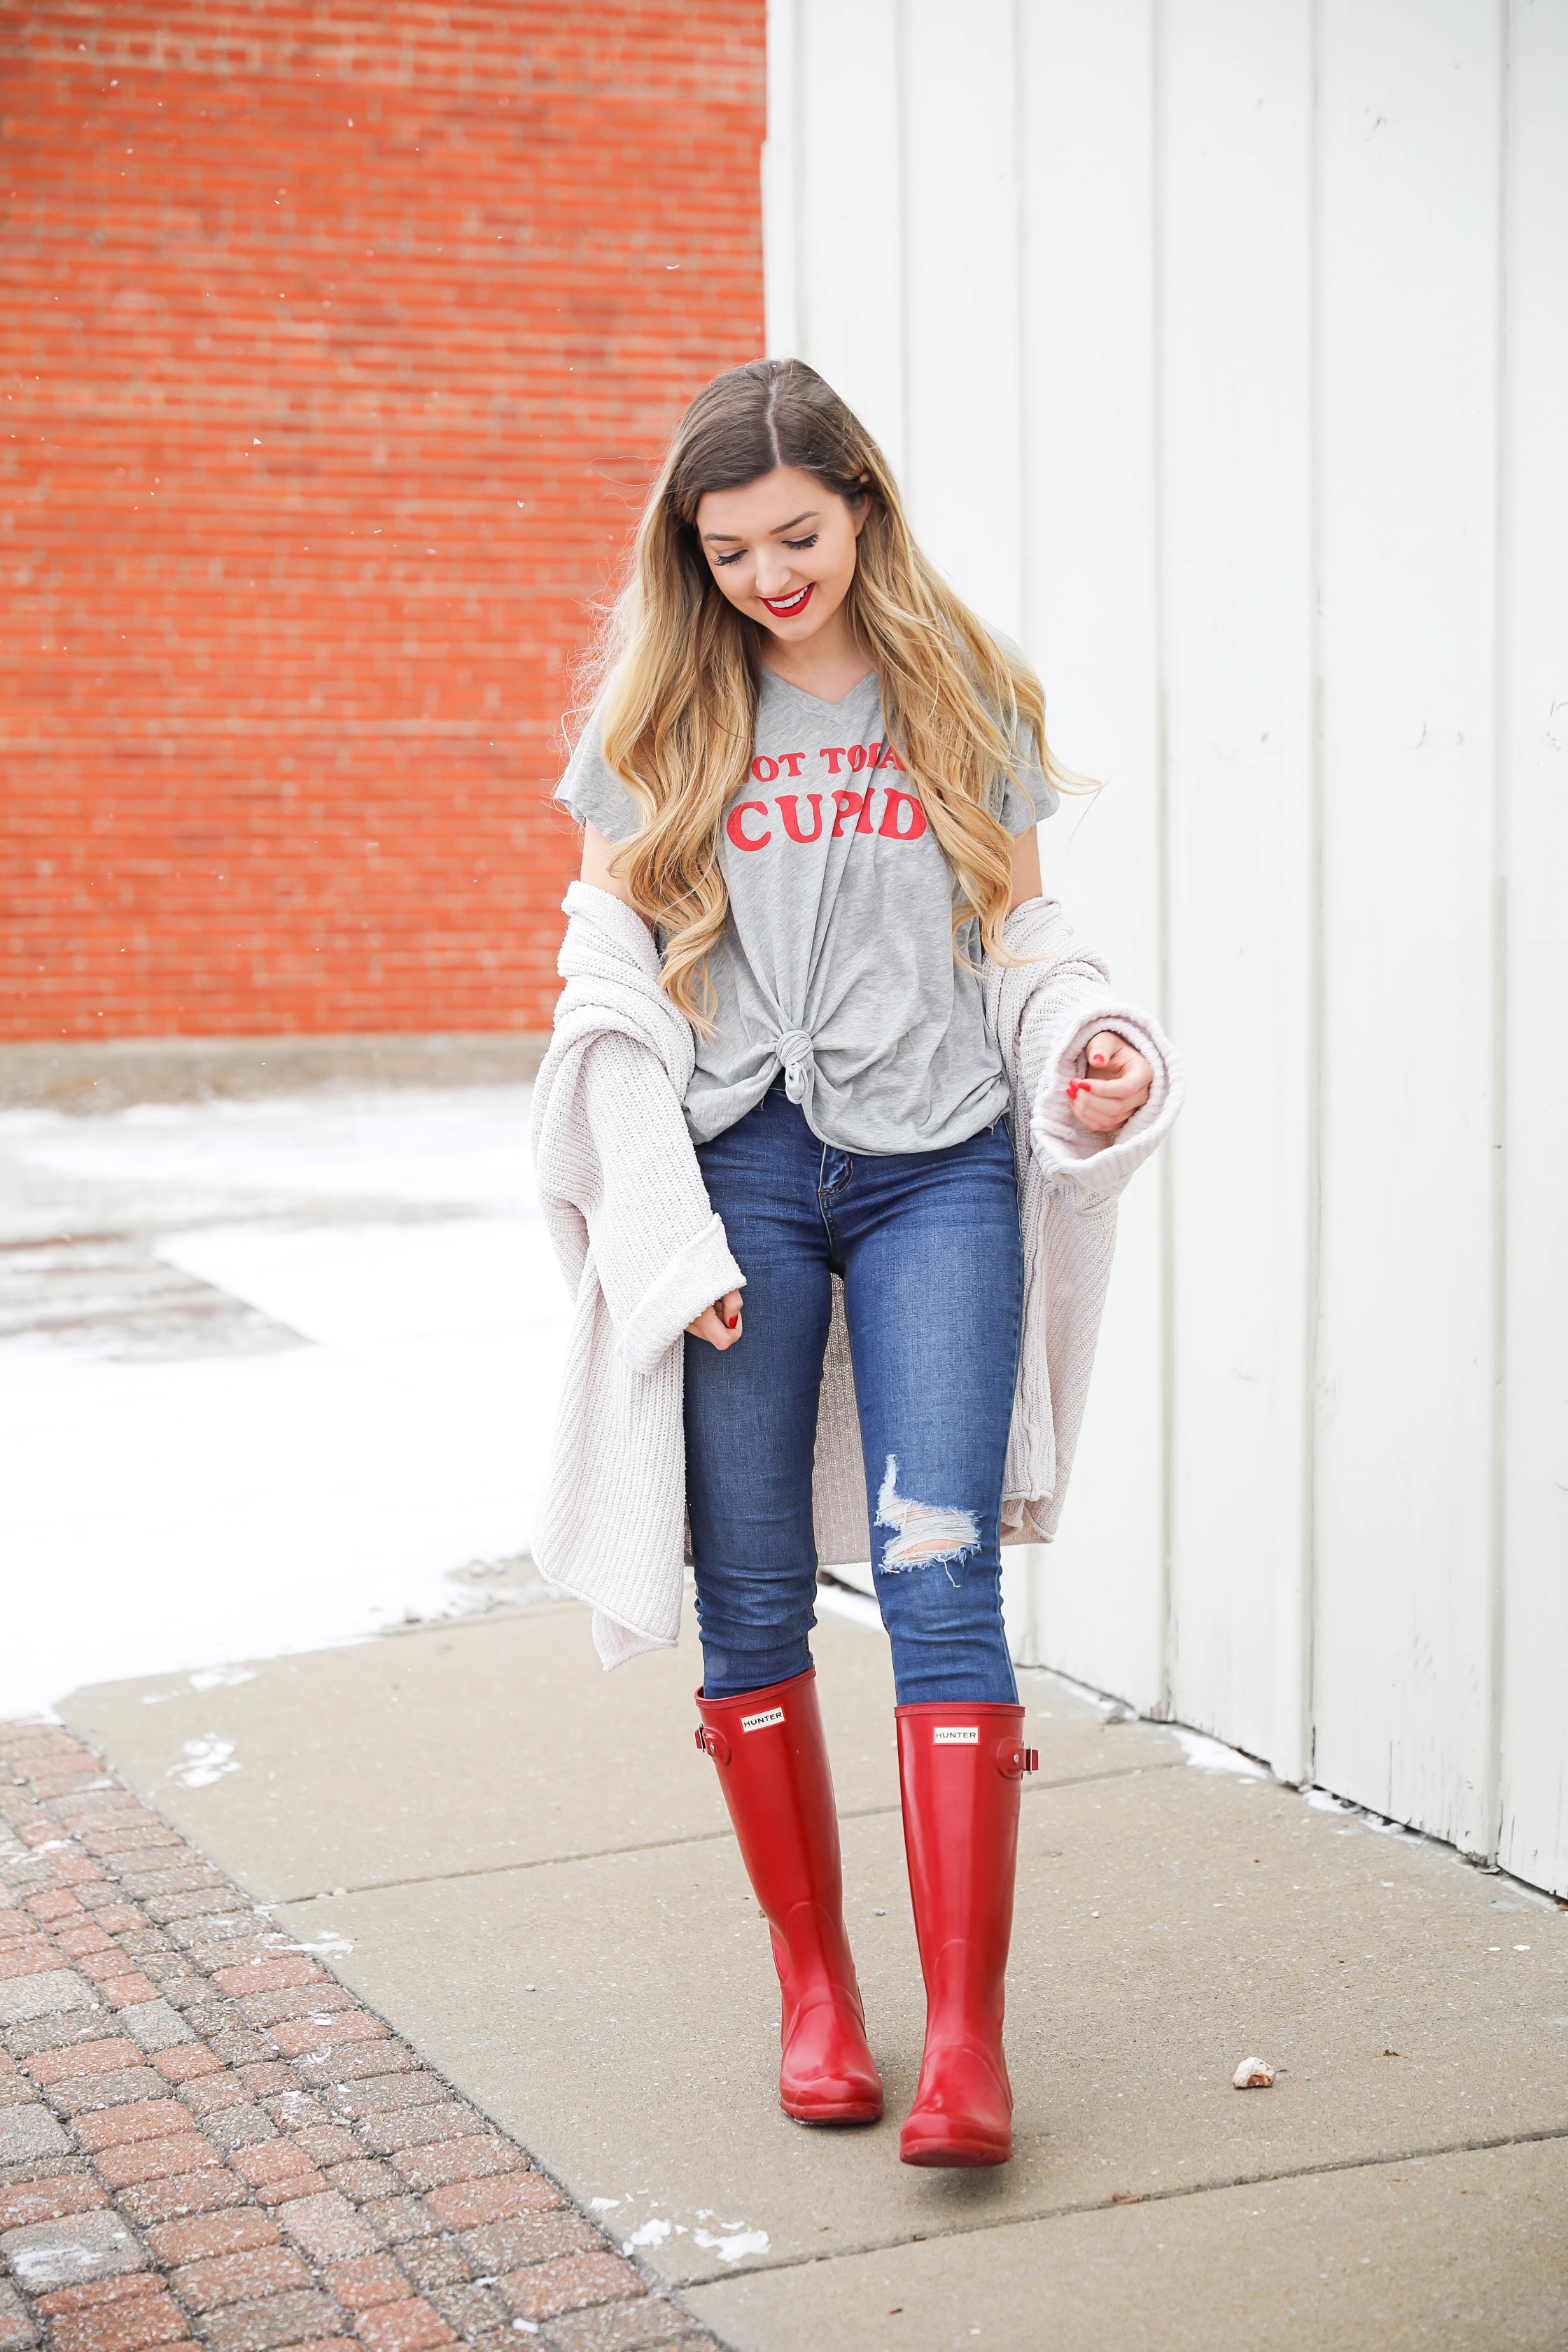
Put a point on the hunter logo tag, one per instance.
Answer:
(761, 1722)
(956, 1735)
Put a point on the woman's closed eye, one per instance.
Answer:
(798, 545)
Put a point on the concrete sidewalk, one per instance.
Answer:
(524, 1865)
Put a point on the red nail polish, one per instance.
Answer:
(731, 1322)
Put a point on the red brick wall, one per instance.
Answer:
(337, 342)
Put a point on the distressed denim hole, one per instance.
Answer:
(925, 1531)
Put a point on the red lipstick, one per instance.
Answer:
(786, 608)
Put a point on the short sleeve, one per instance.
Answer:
(1029, 800)
(593, 793)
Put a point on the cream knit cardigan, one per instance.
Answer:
(643, 1253)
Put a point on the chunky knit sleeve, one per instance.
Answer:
(658, 1245)
(642, 1252)
(1044, 1009)
(618, 1179)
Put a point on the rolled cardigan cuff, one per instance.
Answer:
(1089, 1168)
(700, 1272)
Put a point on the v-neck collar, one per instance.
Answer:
(821, 701)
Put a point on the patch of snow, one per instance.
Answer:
(206, 1760)
(208, 1678)
(247, 1505)
(856, 1574)
(736, 2247)
(1110, 1708)
(88, 2247)
(427, 1146)
(257, 1504)
(1213, 1755)
(652, 2233)
(1324, 1801)
(355, 1287)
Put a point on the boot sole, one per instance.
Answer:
(834, 2111)
(953, 2155)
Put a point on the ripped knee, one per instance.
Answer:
(924, 1532)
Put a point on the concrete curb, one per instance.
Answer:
(110, 1073)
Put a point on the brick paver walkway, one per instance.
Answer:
(204, 2138)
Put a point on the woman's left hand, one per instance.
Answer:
(1118, 1084)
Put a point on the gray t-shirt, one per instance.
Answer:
(837, 963)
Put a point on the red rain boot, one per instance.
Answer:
(773, 1769)
(959, 1770)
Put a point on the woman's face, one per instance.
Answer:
(783, 549)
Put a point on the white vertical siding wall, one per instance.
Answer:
(1086, 510)
(1235, 529)
(1222, 346)
(1532, 828)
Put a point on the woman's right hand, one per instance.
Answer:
(719, 1324)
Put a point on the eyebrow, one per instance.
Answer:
(778, 530)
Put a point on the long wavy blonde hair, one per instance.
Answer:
(679, 667)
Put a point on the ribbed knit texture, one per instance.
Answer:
(1043, 1014)
(643, 1253)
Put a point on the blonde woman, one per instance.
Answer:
(815, 777)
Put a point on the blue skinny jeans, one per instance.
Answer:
(928, 1246)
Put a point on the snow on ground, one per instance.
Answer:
(200, 1508)
(1212, 1754)
(181, 1489)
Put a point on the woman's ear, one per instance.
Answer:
(859, 504)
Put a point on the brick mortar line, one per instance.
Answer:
(1128, 2202)
(203, 2135)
